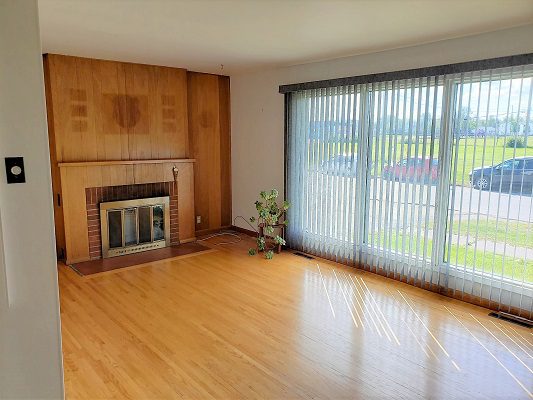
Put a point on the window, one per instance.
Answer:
(511, 164)
(422, 179)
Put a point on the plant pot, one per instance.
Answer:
(269, 240)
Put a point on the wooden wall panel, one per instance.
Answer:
(225, 149)
(186, 202)
(208, 107)
(138, 111)
(83, 113)
(205, 144)
(55, 173)
(101, 111)
(106, 110)
(62, 81)
(172, 98)
(107, 78)
(74, 182)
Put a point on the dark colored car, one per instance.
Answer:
(516, 173)
(341, 165)
(413, 170)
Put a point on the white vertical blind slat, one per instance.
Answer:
(385, 175)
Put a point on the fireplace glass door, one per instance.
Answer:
(145, 223)
(115, 228)
(131, 226)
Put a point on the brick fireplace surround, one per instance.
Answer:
(96, 195)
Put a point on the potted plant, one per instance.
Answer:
(271, 216)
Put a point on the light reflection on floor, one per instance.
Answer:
(360, 317)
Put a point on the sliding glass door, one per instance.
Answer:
(427, 180)
(404, 130)
(489, 240)
(323, 147)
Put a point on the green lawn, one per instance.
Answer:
(517, 233)
(466, 256)
(514, 268)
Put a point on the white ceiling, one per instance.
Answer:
(200, 35)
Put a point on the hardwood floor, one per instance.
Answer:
(226, 325)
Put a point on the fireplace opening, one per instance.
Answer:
(131, 226)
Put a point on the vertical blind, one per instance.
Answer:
(428, 180)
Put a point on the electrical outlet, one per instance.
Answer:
(198, 219)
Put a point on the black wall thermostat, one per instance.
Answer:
(15, 170)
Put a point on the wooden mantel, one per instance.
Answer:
(124, 162)
(77, 176)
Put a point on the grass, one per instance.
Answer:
(468, 257)
(516, 235)
(514, 268)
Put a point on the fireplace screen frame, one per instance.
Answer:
(123, 205)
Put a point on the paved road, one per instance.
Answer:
(493, 204)
(467, 200)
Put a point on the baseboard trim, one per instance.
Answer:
(248, 232)
(70, 261)
(210, 231)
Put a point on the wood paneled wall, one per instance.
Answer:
(113, 111)
(209, 130)
(106, 110)
(77, 177)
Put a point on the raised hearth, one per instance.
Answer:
(109, 264)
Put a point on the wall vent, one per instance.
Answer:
(512, 318)
(299, 254)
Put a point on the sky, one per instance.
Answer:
(496, 98)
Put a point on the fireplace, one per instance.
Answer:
(130, 214)
(130, 226)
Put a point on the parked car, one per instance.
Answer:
(515, 173)
(413, 170)
(340, 165)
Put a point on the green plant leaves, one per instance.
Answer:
(269, 214)
(279, 240)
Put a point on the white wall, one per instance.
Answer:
(30, 342)
(257, 110)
